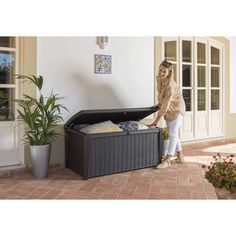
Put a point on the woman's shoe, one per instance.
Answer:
(164, 164)
(180, 157)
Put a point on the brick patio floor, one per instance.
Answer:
(180, 181)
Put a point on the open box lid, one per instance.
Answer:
(114, 115)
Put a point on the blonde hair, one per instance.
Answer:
(169, 66)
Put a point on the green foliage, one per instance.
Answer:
(222, 172)
(3, 98)
(42, 115)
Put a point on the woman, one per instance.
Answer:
(172, 107)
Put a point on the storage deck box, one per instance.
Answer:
(93, 155)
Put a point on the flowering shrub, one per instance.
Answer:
(222, 172)
(165, 133)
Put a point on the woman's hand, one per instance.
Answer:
(152, 126)
(154, 123)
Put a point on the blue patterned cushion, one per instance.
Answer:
(132, 126)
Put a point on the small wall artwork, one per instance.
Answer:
(102, 64)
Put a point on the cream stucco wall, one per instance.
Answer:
(67, 64)
(230, 118)
(232, 40)
(28, 66)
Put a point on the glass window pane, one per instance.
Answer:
(170, 51)
(8, 42)
(187, 99)
(215, 99)
(201, 76)
(186, 75)
(201, 53)
(7, 67)
(6, 104)
(186, 51)
(215, 56)
(215, 73)
(201, 100)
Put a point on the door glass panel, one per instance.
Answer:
(201, 53)
(187, 99)
(215, 81)
(215, 99)
(7, 67)
(170, 51)
(6, 104)
(201, 76)
(186, 51)
(186, 75)
(8, 42)
(215, 56)
(201, 100)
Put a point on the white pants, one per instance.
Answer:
(174, 142)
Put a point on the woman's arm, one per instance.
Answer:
(164, 106)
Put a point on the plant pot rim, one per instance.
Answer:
(34, 145)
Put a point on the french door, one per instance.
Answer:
(198, 72)
(11, 149)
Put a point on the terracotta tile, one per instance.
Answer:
(142, 189)
(168, 190)
(94, 195)
(110, 196)
(198, 195)
(128, 190)
(131, 184)
(125, 196)
(189, 188)
(72, 195)
(158, 183)
(180, 181)
(140, 196)
(211, 196)
(72, 187)
(51, 194)
(88, 187)
(12, 195)
(38, 193)
(184, 195)
(170, 184)
(108, 188)
(155, 189)
(120, 180)
(162, 196)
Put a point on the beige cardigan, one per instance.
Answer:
(170, 100)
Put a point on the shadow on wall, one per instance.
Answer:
(91, 95)
(97, 94)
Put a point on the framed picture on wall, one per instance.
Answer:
(102, 64)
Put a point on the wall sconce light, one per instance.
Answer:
(102, 41)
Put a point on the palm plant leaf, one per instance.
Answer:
(42, 115)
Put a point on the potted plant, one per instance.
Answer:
(222, 175)
(42, 116)
(165, 135)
